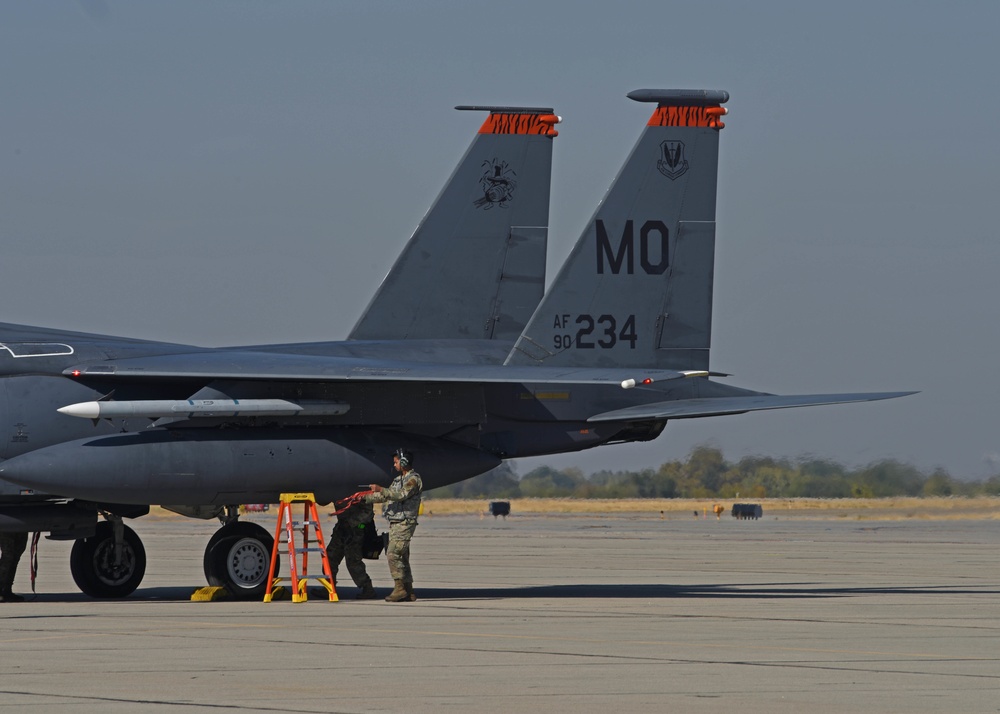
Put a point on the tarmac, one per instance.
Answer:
(568, 613)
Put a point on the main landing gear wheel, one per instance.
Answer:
(99, 571)
(238, 557)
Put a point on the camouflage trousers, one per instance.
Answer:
(346, 543)
(12, 545)
(398, 552)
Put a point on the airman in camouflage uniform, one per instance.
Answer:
(12, 545)
(401, 507)
(347, 541)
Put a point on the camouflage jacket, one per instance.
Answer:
(357, 516)
(401, 499)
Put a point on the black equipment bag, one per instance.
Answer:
(372, 543)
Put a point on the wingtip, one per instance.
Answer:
(680, 97)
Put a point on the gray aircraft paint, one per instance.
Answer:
(194, 466)
(475, 266)
(648, 254)
(637, 287)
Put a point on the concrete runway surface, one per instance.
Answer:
(569, 613)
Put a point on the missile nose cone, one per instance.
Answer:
(87, 410)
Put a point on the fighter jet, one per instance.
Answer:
(617, 347)
(486, 289)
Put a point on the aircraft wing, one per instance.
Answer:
(249, 365)
(719, 406)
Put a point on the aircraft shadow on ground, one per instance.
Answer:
(666, 592)
(775, 591)
(581, 591)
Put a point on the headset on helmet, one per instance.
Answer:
(405, 457)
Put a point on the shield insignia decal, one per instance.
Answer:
(673, 162)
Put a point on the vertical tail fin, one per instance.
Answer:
(475, 266)
(637, 288)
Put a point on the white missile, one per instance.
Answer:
(630, 383)
(194, 408)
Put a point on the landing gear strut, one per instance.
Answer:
(109, 564)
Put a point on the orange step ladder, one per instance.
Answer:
(310, 519)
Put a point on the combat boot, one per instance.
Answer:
(11, 597)
(410, 595)
(398, 593)
(366, 593)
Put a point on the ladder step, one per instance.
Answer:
(285, 537)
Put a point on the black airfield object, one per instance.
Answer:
(500, 508)
(747, 511)
(458, 358)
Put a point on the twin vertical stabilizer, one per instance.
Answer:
(475, 266)
(637, 288)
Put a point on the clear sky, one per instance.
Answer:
(236, 171)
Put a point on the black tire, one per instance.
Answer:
(238, 557)
(92, 563)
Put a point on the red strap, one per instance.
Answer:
(352, 500)
(33, 558)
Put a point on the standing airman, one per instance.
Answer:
(401, 507)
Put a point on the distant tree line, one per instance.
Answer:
(706, 474)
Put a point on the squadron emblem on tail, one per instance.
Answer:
(498, 184)
(673, 164)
